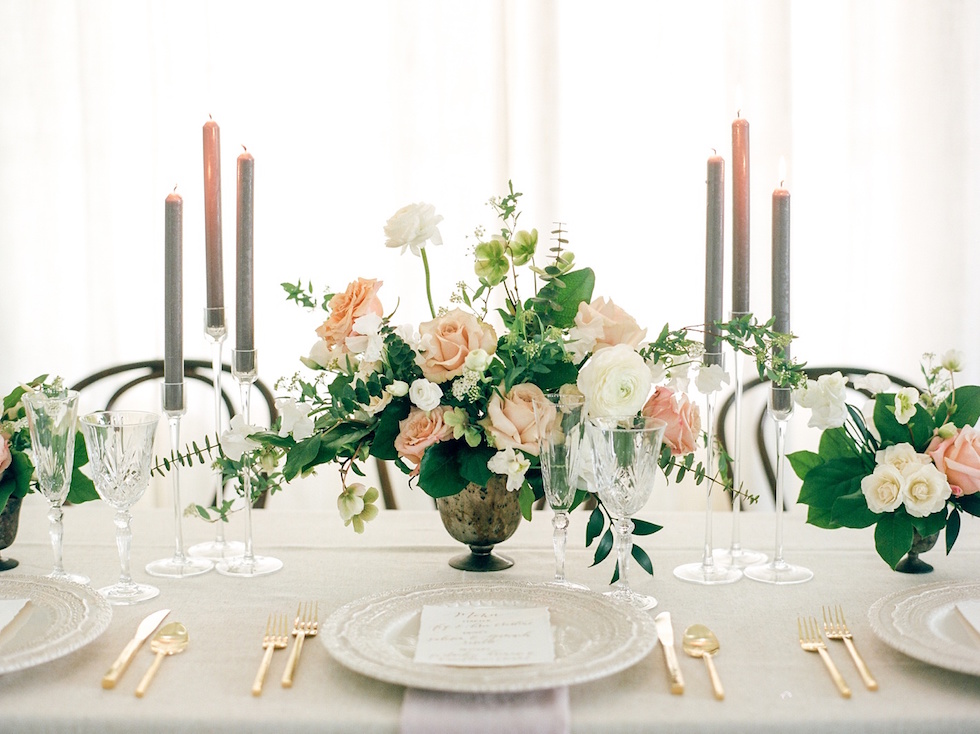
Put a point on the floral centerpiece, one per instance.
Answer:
(449, 401)
(16, 463)
(907, 463)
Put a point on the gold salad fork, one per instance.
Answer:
(812, 641)
(305, 625)
(276, 638)
(835, 626)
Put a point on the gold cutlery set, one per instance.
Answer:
(835, 627)
(173, 639)
(700, 642)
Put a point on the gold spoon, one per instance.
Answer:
(170, 640)
(700, 642)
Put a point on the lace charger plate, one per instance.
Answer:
(62, 617)
(923, 623)
(594, 637)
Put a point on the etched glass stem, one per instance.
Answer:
(56, 530)
(560, 524)
(124, 541)
(624, 549)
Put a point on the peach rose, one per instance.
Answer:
(447, 340)
(360, 298)
(5, 457)
(420, 430)
(510, 419)
(682, 417)
(610, 324)
(958, 457)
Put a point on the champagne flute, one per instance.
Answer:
(120, 450)
(626, 453)
(561, 431)
(51, 419)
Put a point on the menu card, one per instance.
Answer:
(485, 636)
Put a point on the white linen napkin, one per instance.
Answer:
(13, 613)
(970, 614)
(530, 712)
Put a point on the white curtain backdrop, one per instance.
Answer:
(603, 114)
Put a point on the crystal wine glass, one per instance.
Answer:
(120, 450)
(52, 419)
(626, 453)
(561, 431)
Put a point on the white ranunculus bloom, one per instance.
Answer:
(412, 226)
(295, 419)
(711, 378)
(235, 441)
(511, 464)
(905, 402)
(615, 382)
(901, 456)
(883, 489)
(873, 382)
(424, 394)
(952, 360)
(926, 490)
(825, 400)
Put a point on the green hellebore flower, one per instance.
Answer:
(522, 246)
(491, 262)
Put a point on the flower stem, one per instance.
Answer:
(428, 285)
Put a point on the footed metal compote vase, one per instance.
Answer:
(245, 372)
(52, 421)
(180, 565)
(215, 333)
(777, 571)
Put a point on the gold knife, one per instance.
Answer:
(145, 629)
(665, 632)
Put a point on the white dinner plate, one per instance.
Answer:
(62, 618)
(594, 637)
(923, 623)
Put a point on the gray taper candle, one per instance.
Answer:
(740, 216)
(244, 306)
(714, 261)
(173, 362)
(212, 226)
(782, 399)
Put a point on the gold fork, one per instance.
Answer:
(812, 641)
(276, 638)
(835, 626)
(305, 625)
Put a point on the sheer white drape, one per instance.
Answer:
(602, 113)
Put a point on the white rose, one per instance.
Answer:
(397, 389)
(294, 419)
(511, 464)
(425, 395)
(926, 490)
(883, 488)
(900, 456)
(905, 402)
(873, 382)
(615, 382)
(711, 378)
(825, 400)
(412, 226)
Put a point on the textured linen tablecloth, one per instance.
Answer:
(771, 685)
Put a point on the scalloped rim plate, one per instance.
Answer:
(64, 617)
(594, 637)
(922, 623)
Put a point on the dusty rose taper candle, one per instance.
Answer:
(740, 216)
(244, 276)
(212, 226)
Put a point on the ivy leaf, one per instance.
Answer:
(931, 524)
(851, 511)
(826, 482)
(893, 537)
(439, 473)
(803, 461)
(302, 454)
(836, 444)
(385, 433)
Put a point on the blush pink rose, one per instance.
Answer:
(510, 418)
(682, 417)
(958, 457)
(447, 340)
(610, 324)
(360, 298)
(420, 430)
(5, 457)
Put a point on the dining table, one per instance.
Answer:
(771, 684)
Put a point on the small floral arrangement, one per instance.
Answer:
(907, 463)
(16, 462)
(449, 401)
